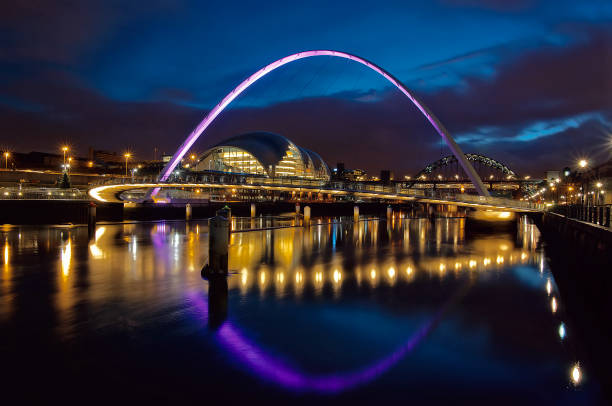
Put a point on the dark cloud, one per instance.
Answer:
(547, 85)
(60, 31)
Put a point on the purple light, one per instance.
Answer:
(195, 134)
(272, 369)
(275, 370)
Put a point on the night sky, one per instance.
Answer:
(525, 82)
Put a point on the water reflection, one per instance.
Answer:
(413, 272)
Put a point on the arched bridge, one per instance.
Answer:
(451, 160)
(433, 120)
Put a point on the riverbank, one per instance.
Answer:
(580, 257)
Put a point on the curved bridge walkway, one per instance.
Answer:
(113, 190)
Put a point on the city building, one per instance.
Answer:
(265, 154)
(342, 173)
(552, 176)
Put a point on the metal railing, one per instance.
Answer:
(599, 215)
(29, 193)
(318, 186)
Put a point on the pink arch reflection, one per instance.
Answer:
(272, 369)
(195, 134)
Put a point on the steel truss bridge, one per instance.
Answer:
(127, 190)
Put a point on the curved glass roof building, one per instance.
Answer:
(265, 154)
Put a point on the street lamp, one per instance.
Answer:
(64, 150)
(127, 156)
(6, 157)
(583, 163)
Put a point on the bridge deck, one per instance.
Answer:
(112, 192)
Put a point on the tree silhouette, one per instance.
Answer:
(65, 181)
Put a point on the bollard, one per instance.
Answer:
(356, 213)
(607, 223)
(389, 211)
(218, 243)
(600, 216)
(306, 216)
(188, 212)
(252, 209)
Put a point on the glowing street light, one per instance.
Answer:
(576, 375)
(599, 184)
(583, 163)
(127, 156)
(64, 150)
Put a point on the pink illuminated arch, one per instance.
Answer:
(195, 134)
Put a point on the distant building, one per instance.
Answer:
(386, 175)
(265, 154)
(106, 157)
(340, 172)
(551, 176)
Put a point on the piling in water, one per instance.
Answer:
(218, 244)
(188, 212)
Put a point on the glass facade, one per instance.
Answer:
(295, 162)
(232, 160)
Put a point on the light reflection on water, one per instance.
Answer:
(413, 272)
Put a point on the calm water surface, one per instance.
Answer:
(406, 310)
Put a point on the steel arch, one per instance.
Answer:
(451, 159)
(195, 134)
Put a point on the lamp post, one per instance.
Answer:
(599, 185)
(127, 156)
(583, 163)
(6, 157)
(64, 150)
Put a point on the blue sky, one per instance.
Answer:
(526, 82)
